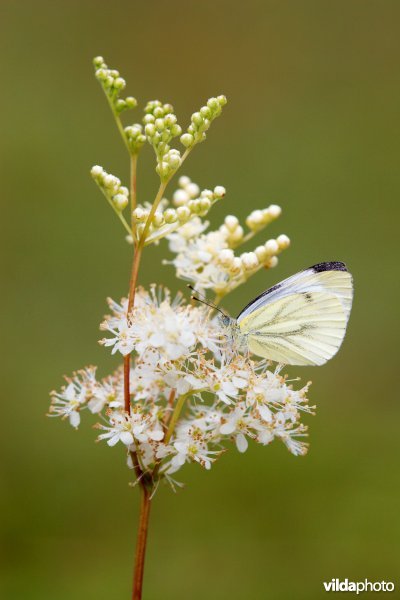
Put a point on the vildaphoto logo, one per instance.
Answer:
(335, 585)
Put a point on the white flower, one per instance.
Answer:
(72, 399)
(157, 323)
(190, 445)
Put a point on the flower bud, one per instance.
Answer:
(173, 158)
(158, 219)
(194, 206)
(271, 246)
(184, 180)
(219, 191)
(150, 130)
(249, 260)
(180, 197)
(261, 253)
(119, 83)
(158, 112)
(192, 189)
(231, 222)
(236, 266)
(222, 100)
(283, 241)
(197, 119)
(120, 105)
(176, 130)
(159, 124)
(205, 205)
(183, 213)
(98, 61)
(226, 257)
(170, 119)
(131, 102)
(120, 201)
(96, 171)
(170, 215)
(213, 103)
(205, 112)
(187, 140)
(272, 262)
(274, 210)
(139, 215)
(237, 234)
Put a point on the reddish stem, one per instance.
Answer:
(141, 544)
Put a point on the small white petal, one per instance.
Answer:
(241, 442)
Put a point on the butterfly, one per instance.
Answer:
(299, 321)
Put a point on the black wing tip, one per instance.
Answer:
(329, 266)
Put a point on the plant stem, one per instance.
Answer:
(141, 544)
(134, 158)
(175, 417)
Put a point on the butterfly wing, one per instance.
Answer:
(303, 319)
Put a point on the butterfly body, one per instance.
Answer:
(300, 321)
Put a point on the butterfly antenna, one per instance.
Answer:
(204, 300)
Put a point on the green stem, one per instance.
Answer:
(133, 190)
(118, 213)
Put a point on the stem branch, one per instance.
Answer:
(141, 544)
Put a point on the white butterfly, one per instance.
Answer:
(300, 321)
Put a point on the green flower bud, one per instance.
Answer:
(205, 112)
(120, 201)
(150, 130)
(213, 104)
(131, 102)
(197, 119)
(120, 105)
(187, 140)
(183, 214)
(148, 119)
(176, 130)
(170, 215)
(98, 61)
(170, 119)
(158, 112)
(119, 83)
(158, 219)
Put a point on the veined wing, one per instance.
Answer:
(330, 277)
(303, 319)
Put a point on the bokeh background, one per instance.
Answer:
(312, 124)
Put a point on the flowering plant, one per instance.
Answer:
(182, 394)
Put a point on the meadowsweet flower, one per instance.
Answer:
(158, 323)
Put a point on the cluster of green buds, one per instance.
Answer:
(115, 192)
(161, 127)
(113, 84)
(168, 219)
(135, 137)
(201, 121)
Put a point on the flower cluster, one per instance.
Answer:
(179, 355)
(208, 260)
(113, 84)
(201, 121)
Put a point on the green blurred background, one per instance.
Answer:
(312, 124)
